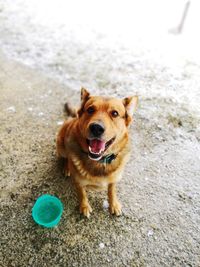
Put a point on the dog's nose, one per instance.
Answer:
(96, 129)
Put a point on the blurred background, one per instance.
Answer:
(107, 44)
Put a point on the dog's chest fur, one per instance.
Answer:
(97, 175)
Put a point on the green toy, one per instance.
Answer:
(47, 211)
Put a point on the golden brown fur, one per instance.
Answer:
(72, 145)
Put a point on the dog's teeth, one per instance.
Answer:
(94, 158)
(96, 153)
(90, 149)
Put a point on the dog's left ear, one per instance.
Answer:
(85, 95)
(130, 104)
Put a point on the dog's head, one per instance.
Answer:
(103, 121)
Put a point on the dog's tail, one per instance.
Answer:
(72, 112)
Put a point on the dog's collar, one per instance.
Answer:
(108, 159)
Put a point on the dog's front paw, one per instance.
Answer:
(116, 208)
(85, 209)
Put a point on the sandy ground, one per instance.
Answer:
(160, 190)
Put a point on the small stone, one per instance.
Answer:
(150, 233)
(59, 122)
(105, 204)
(101, 245)
(11, 109)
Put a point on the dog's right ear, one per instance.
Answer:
(85, 95)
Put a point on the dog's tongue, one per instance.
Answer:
(97, 145)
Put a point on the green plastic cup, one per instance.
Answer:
(47, 211)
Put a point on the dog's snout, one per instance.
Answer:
(97, 129)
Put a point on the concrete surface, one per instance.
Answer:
(160, 190)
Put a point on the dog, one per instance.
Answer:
(95, 145)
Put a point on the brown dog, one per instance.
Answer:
(96, 145)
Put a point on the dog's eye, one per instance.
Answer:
(114, 113)
(90, 110)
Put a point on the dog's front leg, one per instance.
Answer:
(114, 204)
(85, 207)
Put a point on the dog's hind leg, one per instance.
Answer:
(60, 143)
(66, 170)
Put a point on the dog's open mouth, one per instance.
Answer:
(97, 147)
